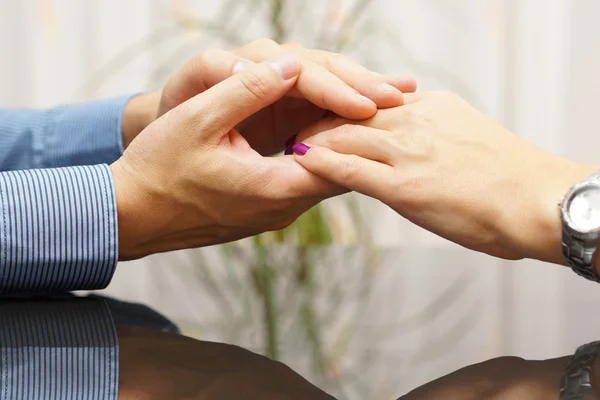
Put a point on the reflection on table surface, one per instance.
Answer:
(69, 347)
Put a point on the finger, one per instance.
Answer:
(384, 120)
(318, 127)
(411, 98)
(316, 84)
(200, 73)
(356, 173)
(226, 104)
(406, 84)
(290, 180)
(372, 144)
(381, 88)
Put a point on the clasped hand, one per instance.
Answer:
(198, 174)
(447, 167)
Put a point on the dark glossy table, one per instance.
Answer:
(69, 347)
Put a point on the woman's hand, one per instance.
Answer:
(504, 378)
(328, 82)
(448, 168)
(190, 179)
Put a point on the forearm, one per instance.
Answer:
(539, 236)
(79, 134)
(500, 378)
(58, 229)
(138, 113)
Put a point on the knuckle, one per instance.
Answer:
(417, 146)
(256, 85)
(209, 54)
(338, 136)
(293, 45)
(504, 362)
(279, 225)
(187, 114)
(407, 187)
(349, 168)
(414, 118)
(333, 59)
(444, 95)
(266, 43)
(201, 61)
(412, 190)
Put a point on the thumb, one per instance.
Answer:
(255, 87)
(197, 75)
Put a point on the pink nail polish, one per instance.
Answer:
(291, 141)
(300, 149)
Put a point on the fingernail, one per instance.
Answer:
(291, 141)
(365, 99)
(287, 66)
(288, 151)
(240, 66)
(300, 149)
(387, 88)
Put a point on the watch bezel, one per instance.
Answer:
(566, 217)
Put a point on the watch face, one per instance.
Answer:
(584, 209)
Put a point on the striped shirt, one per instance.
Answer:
(61, 349)
(58, 216)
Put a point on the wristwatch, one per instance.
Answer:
(580, 215)
(576, 382)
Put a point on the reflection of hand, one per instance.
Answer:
(156, 365)
(448, 168)
(190, 179)
(505, 378)
(328, 82)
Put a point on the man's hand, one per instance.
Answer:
(329, 82)
(158, 365)
(447, 167)
(139, 112)
(190, 179)
(504, 378)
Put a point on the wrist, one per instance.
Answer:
(144, 212)
(539, 236)
(138, 113)
(134, 210)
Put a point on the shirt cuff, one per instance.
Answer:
(58, 229)
(58, 349)
(82, 134)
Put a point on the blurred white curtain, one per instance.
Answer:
(534, 65)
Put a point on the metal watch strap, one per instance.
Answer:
(576, 382)
(578, 254)
(580, 258)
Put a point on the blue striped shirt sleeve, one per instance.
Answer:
(58, 349)
(79, 134)
(58, 226)
(58, 229)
